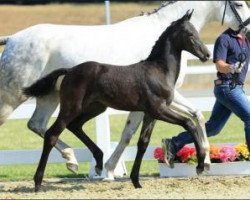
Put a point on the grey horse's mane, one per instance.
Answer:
(164, 4)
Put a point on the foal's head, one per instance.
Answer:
(185, 37)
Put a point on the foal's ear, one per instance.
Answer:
(188, 14)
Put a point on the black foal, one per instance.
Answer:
(148, 86)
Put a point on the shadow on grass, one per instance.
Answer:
(3, 176)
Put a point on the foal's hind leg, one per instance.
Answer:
(76, 127)
(50, 139)
(144, 139)
(68, 112)
(38, 123)
(166, 114)
(132, 124)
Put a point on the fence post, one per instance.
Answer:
(103, 141)
(107, 10)
(103, 131)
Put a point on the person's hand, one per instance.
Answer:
(237, 67)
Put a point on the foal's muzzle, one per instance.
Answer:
(205, 58)
(206, 55)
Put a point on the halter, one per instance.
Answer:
(242, 27)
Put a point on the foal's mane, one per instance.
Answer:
(164, 4)
(160, 44)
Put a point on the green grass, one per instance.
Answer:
(15, 135)
(58, 170)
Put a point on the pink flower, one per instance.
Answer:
(228, 154)
(158, 153)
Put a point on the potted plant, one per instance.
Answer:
(225, 160)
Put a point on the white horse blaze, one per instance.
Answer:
(123, 43)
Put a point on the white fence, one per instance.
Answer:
(102, 130)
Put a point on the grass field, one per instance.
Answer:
(15, 134)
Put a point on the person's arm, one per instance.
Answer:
(223, 67)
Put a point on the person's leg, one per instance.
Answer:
(238, 102)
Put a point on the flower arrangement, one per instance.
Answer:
(218, 154)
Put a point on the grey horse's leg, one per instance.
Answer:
(5, 111)
(132, 124)
(183, 106)
(8, 103)
(165, 113)
(38, 123)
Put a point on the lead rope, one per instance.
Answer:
(236, 14)
(242, 59)
(242, 27)
(224, 13)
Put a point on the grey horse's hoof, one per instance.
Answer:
(72, 167)
(207, 166)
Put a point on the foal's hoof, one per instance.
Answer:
(137, 185)
(199, 171)
(72, 167)
(98, 171)
(37, 188)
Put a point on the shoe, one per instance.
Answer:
(169, 152)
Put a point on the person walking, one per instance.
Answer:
(231, 57)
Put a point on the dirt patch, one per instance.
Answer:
(204, 187)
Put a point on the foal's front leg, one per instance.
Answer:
(144, 139)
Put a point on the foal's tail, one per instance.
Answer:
(44, 85)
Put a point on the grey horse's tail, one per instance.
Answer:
(3, 39)
(44, 85)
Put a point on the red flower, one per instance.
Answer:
(186, 153)
(158, 154)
